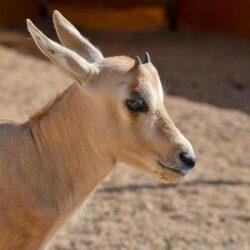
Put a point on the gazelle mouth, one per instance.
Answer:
(171, 169)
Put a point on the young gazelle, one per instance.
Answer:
(113, 113)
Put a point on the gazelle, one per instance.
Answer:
(113, 113)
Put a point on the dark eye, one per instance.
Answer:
(137, 103)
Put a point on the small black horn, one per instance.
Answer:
(137, 61)
(146, 58)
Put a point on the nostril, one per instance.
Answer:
(188, 159)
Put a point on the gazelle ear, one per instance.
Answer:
(74, 65)
(71, 38)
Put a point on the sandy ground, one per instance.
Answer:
(208, 81)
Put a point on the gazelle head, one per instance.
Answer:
(130, 94)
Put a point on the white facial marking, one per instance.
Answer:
(160, 89)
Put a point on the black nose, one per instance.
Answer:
(188, 159)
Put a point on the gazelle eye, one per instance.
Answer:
(137, 103)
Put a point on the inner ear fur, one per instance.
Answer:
(72, 63)
(71, 38)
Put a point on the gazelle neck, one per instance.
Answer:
(72, 148)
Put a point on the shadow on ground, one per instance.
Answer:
(118, 189)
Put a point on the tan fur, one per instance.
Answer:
(50, 164)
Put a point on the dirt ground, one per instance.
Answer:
(207, 77)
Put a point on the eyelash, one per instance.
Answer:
(137, 103)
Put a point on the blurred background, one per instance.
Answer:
(202, 52)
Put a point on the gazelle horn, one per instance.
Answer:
(137, 61)
(146, 58)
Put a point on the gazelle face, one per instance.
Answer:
(144, 135)
(130, 93)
